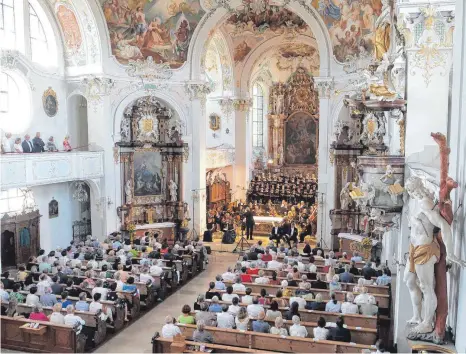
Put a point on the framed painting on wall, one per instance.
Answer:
(50, 102)
(301, 134)
(53, 209)
(147, 173)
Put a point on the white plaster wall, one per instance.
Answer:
(77, 122)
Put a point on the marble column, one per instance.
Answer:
(240, 167)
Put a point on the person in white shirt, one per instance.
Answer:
(229, 275)
(4, 296)
(6, 143)
(304, 283)
(43, 284)
(17, 147)
(348, 306)
(297, 330)
(99, 288)
(242, 319)
(56, 316)
(333, 305)
(169, 330)
(247, 299)
(312, 268)
(273, 312)
(320, 332)
(156, 268)
(278, 328)
(262, 279)
(363, 297)
(96, 305)
(225, 319)
(245, 262)
(32, 299)
(238, 287)
(145, 277)
(260, 263)
(301, 265)
(370, 308)
(274, 264)
(234, 307)
(254, 308)
(72, 320)
(228, 296)
(301, 302)
(318, 255)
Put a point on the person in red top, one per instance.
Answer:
(37, 314)
(252, 270)
(245, 278)
(267, 257)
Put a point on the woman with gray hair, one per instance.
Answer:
(278, 328)
(297, 330)
(201, 335)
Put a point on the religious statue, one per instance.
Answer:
(424, 253)
(345, 197)
(382, 31)
(173, 191)
(392, 185)
(280, 154)
(364, 225)
(279, 99)
(187, 215)
(158, 213)
(128, 192)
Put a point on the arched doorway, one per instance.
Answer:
(77, 122)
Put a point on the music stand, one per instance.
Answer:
(241, 242)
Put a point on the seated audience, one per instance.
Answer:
(317, 304)
(229, 275)
(201, 335)
(278, 328)
(209, 318)
(354, 270)
(238, 287)
(384, 279)
(32, 299)
(262, 279)
(333, 305)
(82, 304)
(185, 317)
(346, 276)
(320, 332)
(242, 319)
(334, 285)
(219, 285)
(254, 308)
(64, 300)
(320, 282)
(225, 319)
(96, 306)
(38, 314)
(15, 294)
(215, 306)
(56, 316)
(368, 271)
(247, 299)
(299, 300)
(293, 311)
(297, 330)
(99, 288)
(340, 333)
(72, 320)
(260, 325)
(234, 307)
(211, 292)
(274, 264)
(228, 296)
(356, 257)
(273, 312)
(169, 329)
(348, 307)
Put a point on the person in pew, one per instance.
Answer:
(348, 307)
(211, 292)
(301, 302)
(320, 332)
(263, 299)
(384, 279)
(112, 294)
(333, 305)
(254, 308)
(244, 277)
(278, 328)
(242, 319)
(201, 335)
(64, 300)
(42, 284)
(260, 325)
(238, 286)
(16, 294)
(320, 282)
(274, 264)
(339, 269)
(82, 304)
(247, 299)
(304, 282)
(279, 299)
(346, 276)
(290, 278)
(186, 317)
(368, 271)
(96, 306)
(273, 312)
(369, 308)
(286, 292)
(297, 330)
(32, 299)
(131, 287)
(48, 299)
(57, 288)
(6, 281)
(209, 318)
(76, 262)
(219, 284)
(367, 279)
(234, 307)
(311, 266)
(229, 275)
(293, 311)
(38, 314)
(262, 279)
(43, 264)
(56, 317)
(85, 287)
(215, 306)
(317, 304)
(225, 319)
(70, 289)
(267, 256)
(4, 296)
(156, 269)
(356, 257)
(305, 291)
(315, 251)
(259, 263)
(334, 285)
(274, 280)
(22, 274)
(340, 333)
(199, 301)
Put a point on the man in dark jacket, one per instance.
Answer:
(319, 283)
(368, 271)
(249, 221)
(340, 333)
(38, 143)
(27, 144)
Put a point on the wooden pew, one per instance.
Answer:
(266, 341)
(92, 320)
(163, 345)
(55, 339)
(354, 320)
(281, 273)
(382, 300)
(372, 289)
(321, 262)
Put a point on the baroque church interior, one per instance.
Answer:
(233, 175)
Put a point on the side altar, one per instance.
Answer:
(151, 155)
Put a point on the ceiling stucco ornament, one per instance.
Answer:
(325, 87)
(227, 106)
(95, 88)
(198, 91)
(8, 59)
(149, 70)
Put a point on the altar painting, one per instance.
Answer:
(301, 139)
(147, 173)
(161, 29)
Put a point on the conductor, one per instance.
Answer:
(248, 218)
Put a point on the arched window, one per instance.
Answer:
(15, 200)
(7, 24)
(257, 116)
(24, 26)
(14, 108)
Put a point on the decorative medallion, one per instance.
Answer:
(214, 122)
(50, 102)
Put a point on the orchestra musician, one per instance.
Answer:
(293, 235)
(210, 227)
(229, 234)
(307, 231)
(276, 233)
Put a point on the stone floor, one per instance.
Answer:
(137, 337)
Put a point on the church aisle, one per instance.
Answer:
(137, 337)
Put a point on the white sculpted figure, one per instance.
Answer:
(128, 192)
(424, 253)
(173, 191)
(345, 197)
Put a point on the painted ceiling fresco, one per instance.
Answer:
(161, 29)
